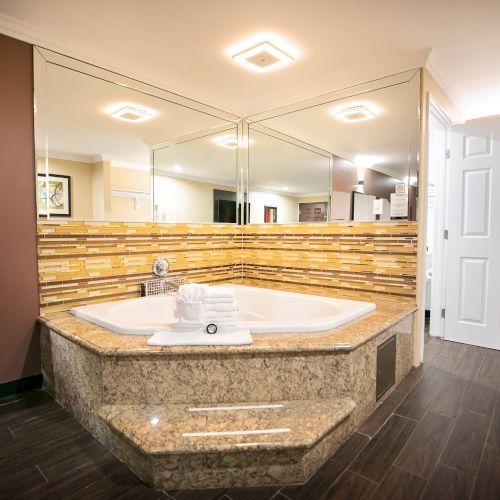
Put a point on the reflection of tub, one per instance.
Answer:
(260, 310)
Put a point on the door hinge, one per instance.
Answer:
(445, 234)
(448, 154)
(443, 313)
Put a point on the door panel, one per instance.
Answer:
(473, 290)
(476, 200)
(473, 247)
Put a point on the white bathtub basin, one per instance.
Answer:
(260, 310)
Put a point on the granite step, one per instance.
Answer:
(234, 444)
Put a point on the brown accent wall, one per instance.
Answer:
(345, 178)
(19, 349)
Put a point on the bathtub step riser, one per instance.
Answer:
(203, 466)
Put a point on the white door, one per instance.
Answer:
(473, 257)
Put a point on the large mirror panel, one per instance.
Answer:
(195, 178)
(371, 133)
(94, 137)
(288, 179)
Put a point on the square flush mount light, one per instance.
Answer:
(263, 57)
(353, 114)
(228, 141)
(131, 114)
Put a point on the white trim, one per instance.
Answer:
(62, 155)
(438, 71)
(131, 166)
(236, 408)
(431, 106)
(236, 433)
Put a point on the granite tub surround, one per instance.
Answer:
(343, 338)
(81, 262)
(137, 399)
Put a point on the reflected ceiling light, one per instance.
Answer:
(178, 168)
(262, 53)
(367, 161)
(285, 188)
(227, 141)
(154, 421)
(353, 113)
(130, 113)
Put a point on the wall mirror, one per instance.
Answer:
(96, 139)
(288, 179)
(370, 133)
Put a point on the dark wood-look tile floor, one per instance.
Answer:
(436, 436)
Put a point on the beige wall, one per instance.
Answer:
(183, 200)
(81, 183)
(287, 207)
(130, 208)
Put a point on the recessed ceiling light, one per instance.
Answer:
(131, 114)
(263, 57)
(227, 141)
(178, 168)
(358, 113)
(285, 188)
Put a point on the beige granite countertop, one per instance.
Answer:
(344, 338)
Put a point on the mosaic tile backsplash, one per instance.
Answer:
(84, 262)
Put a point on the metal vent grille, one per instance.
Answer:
(159, 286)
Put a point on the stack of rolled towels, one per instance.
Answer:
(201, 305)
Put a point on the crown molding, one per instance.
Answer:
(62, 155)
(435, 66)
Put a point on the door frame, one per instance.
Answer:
(431, 106)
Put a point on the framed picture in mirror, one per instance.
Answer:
(54, 195)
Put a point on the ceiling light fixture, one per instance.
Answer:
(178, 168)
(263, 52)
(353, 113)
(285, 188)
(131, 114)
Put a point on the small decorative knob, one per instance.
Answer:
(161, 267)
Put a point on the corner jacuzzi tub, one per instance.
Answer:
(261, 310)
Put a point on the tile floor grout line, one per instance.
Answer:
(40, 471)
(482, 451)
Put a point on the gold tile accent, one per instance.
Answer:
(83, 262)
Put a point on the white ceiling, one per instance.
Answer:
(182, 45)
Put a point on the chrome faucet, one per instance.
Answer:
(161, 284)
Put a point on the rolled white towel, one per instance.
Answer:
(224, 307)
(191, 293)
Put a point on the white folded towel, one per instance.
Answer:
(169, 337)
(218, 292)
(220, 300)
(221, 308)
(219, 316)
